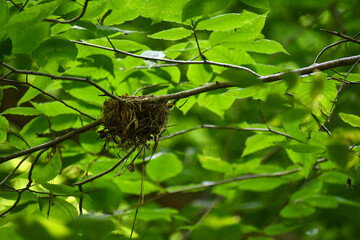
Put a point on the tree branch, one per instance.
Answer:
(71, 20)
(49, 95)
(229, 128)
(339, 34)
(86, 80)
(180, 62)
(209, 184)
(52, 142)
(314, 67)
(108, 170)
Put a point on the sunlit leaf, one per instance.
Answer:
(172, 34)
(195, 8)
(164, 166)
(199, 74)
(4, 127)
(25, 111)
(298, 210)
(48, 168)
(214, 164)
(260, 184)
(261, 141)
(351, 119)
(154, 214)
(227, 21)
(55, 48)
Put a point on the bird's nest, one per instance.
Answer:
(132, 122)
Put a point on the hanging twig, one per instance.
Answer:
(108, 170)
(71, 20)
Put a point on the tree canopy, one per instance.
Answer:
(179, 119)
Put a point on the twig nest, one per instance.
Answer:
(133, 122)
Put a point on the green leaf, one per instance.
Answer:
(4, 13)
(242, 93)
(121, 12)
(52, 109)
(93, 226)
(60, 210)
(62, 189)
(172, 34)
(36, 125)
(351, 119)
(34, 226)
(231, 56)
(24, 111)
(260, 184)
(261, 141)
(47, 168)
(164, 166)
(309, 190)
(334, 177)
(259, 46)
(249, 31)
(227, 21)
(216, 103)
(133, 187)
(297, 210)
(278, 229)
(263, 4)
(26, 38)
(199, 74)
(62, 122)
(340, 154)
(306, 160)
(55, 48)
(322, 201)
(40, 82)
(102, 195)
(5, 46)
(159, 10)
(195, 8)
(32, 15)
(214, 164)
(154, 214)
(4, 127)
(90, 142)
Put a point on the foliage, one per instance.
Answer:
(257, 145)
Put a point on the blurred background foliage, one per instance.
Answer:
(314, 203)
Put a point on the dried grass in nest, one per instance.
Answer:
(132, 122)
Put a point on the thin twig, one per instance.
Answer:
(180, 62)
(197, 41)
(15, 4)
(203, 216)
(314, 67)
(71, 20)
(23, 6)
(327, 47)
(32, 168)
(52, 142)
(49, 95)
(141, 194)
(339, 34)
(332, 45)
(13, 171)
(14, 204)
(86, 80)
(145, 87)
(340, 88)
(108, 170)
(230, 128)
(209, 184)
